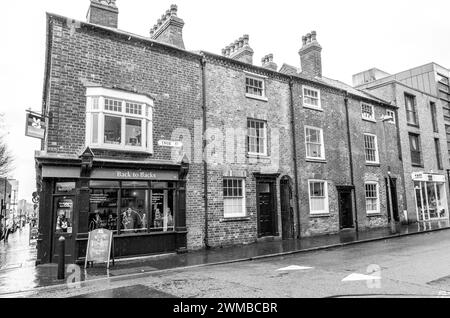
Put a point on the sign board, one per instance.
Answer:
(129, 174)
(425, 177)
(35, 126)
(99, 247)
(170, 143)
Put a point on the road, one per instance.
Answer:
(413, 266)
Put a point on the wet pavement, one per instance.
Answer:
(18, 273)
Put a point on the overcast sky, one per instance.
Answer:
(356, 35)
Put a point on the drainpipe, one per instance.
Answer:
(297, 197)
(205, 164)
(352, 177)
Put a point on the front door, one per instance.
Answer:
(345, 209)
(63, 218)
(266, 209)
(287, 211)
(394, 200)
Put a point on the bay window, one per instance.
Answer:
(118, 120)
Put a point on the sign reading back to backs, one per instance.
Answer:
(35, 126)
(99, 246)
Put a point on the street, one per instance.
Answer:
(414, 266)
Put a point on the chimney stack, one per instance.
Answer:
(311, 55)
(267, 62)
(169, 28)
(240, 50)
(103, 12)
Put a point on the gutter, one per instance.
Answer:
(293, 127)
(352, 177)
(205, 164)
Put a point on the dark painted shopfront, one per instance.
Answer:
(142, 203)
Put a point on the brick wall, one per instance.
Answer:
(228, 107)
(83, 54)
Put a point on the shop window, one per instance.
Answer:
(134, 211)
(64, 215)
(103, 209)
(163, 204)
(119, 120)
(234, 198)
(431, 200)
(372, 198)
(318, 197)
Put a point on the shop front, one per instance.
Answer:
(430, 196)
(144, 207)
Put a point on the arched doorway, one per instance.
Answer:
(287, 208)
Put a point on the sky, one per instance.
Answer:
(392, 35)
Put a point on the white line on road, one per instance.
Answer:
(294, 268)
(360, 277)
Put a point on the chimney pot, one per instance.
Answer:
(304, 40)
(314, 36)
(169, 28)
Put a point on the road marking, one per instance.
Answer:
(360, 277)
(294, 268)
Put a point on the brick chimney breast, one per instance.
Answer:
(267, 62)
(311, 55)
(103, 12)
(240, 50)
(169, 28)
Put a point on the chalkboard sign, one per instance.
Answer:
(99, 247)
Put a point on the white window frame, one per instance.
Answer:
(322, 144)
(95, 105)
(326, 203)
(260, 78)
(377, 155)
(372, 118)
(243, 213)
(391, 113)
(308, 105)
(377, 211)
(265, 152)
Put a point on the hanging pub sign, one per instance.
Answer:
(35, 126)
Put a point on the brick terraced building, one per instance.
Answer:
(175, 150)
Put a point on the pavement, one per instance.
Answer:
(19, 276)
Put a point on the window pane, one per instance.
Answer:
(134, 211)
(64, 215)
(103, 209)
(133, 132)
(113, 105)
(94, 128)
(163, 203)
(113, 130)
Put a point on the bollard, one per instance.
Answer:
(61, 258)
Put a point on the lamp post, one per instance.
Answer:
(384, 119)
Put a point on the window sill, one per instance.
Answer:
(254, 156)
(369, 120)
(312, 160)
(319, 215)
(121, 148)
(237, 219)
(373, 164)
(260, 98)
(319, 109)
(417, 165)
(413, 125)
(373, 215)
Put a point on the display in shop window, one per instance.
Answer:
(64, 213)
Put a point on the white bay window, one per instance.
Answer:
(119, 120)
